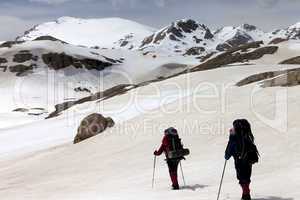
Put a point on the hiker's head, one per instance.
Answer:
(242, 127)
(171, 131)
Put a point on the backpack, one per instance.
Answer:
(248, 149)
(176, 150)
(251, 154)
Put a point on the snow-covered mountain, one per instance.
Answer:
(183, 37)
(102, 33)
(292, 32)
(180, 37)
(231, 36)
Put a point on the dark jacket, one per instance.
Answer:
(232, 148)
(243, 168)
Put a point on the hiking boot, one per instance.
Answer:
(175, 187)
(246, 197)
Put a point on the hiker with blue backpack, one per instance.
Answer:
(242, 148)
(174, 152)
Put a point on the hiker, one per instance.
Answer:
(173, 149)
(242, 148)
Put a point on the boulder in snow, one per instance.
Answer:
(92, 125)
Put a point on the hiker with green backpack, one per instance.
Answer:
(174, 152)
(242, 148)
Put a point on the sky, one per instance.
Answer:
(16, 16)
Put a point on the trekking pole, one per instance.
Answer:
(182, 174)
(222, 179)
(154, 163)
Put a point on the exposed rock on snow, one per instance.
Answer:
(258, 77)
(114, 91)
(277, 40)
(21, 110)
(59, 61)
(92, 125)
(9, 44)
(288, 79)
(292, 61)
(50, 38)
(80, 89)
(23, 56)
(238, 54)
(194, 51)
(284, 78)
(21, 69)
(3, 60)
(47, 52)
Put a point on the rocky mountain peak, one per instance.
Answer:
(178, 31)
(248, 27)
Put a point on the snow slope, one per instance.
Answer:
(118, 164)
(90, 32)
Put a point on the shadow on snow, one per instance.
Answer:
(194, 187)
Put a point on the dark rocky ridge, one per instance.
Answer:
(237, 54)
(9, 44)
(291, 61)
(277, 40)
(283, 78)
(49, 38)
(3, 60)
(100, 96)
(21, 69)
(59, 61)
(23, 56)
(194, 51)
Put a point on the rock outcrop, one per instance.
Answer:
(283, 78)
(61, 60)
(111, 92)
(9, 44)
(49, 38)
(237, 54)
(92, 125)
(23, 56)
(287, 79)
(278, 40)
(291, 61)
(3, 60)
(20, 69)
(194, 51)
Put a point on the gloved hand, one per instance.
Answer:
(155, 153)
(226, 157)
